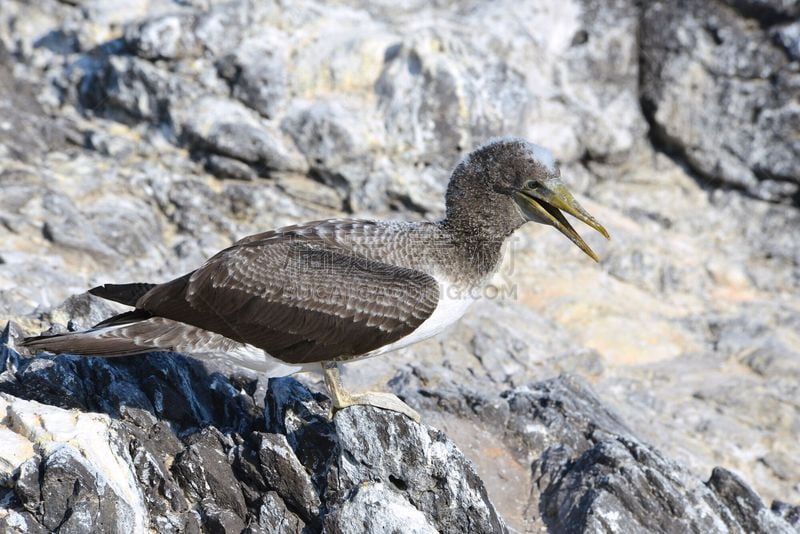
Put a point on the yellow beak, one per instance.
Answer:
(542, 204)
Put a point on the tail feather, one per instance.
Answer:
(103, 341)
(130, 317)
(131, 336)
(126, 294)
(107, 338)
(134, 332)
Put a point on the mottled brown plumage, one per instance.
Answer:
(300, 296)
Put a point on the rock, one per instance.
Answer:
(203, 470)
(26, 131)
(163, 37)
(590, 473)
(293, 468)
(334, 144)
(257, 72)
(225, 167)
(183, 455)
(61, 228)
(283, 472)
(129, 89)
(699, 54)
(273, 516)
(788, 512)
(376, 508)
(137, 140)
(228, 129)
(420, 464)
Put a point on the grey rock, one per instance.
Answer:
(284, 473)
(81, 311)
(129, 89)
(225, 167)
(307, 474)
(257, 73)
(218, 520)
(66, 227)
(734, 125)
(163, 37)
(788, 36)
(203, 470)
(334, 147)
(419, 463)
(788, 512)
(770, 11)
(746, 506)
(376, 508)
(228, 129)
(590, 473)
(595, 492)
(26, 131)
(64, 493)
(274, 516)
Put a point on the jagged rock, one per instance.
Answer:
(334, 142)
(376, 508)
(129, 113)
(590, 473)
(284, 472)
(26, 131)
(274, 516)
(229, 129)
(203, 470)
(788, 512)
(164, 455)
(257, 72)
(293, 469)
(717, 90)
(419, 464)
(163, 37)
(130, 89)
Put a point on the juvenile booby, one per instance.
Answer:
(332, 291)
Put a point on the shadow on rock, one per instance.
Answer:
(589, 472)
(155, 442)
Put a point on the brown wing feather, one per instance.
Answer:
(299, 297)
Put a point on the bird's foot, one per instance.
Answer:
(342, 398)
(378, 399)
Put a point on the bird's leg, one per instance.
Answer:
(342, 398)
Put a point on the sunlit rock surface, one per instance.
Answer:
(138, 138)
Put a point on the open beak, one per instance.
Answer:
(544, 205)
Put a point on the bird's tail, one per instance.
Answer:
(126, 294)
(95, 342)
(121, 335)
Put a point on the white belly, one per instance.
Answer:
(453, 304)
(249, 357)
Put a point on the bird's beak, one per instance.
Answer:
(543, 203)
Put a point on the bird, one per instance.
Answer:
(317, 295)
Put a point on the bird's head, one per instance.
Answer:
(508, 182)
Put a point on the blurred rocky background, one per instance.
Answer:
(139, 137)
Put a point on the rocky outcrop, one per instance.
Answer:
(719, 85)
(139, 138)
(155, 442)
(590, 473)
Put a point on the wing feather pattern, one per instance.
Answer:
(300, 296)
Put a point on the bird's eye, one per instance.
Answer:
(530, 184)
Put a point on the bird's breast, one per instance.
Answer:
(454, 301)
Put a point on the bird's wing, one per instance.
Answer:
(299, 298)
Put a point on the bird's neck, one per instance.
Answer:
(478, 253)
